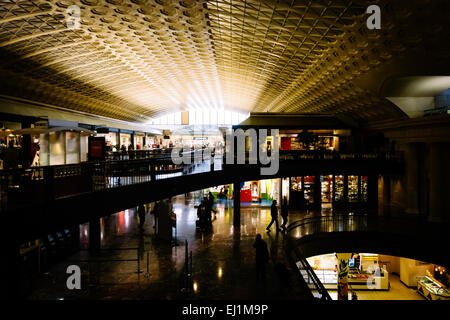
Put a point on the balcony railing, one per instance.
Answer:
(39, 184)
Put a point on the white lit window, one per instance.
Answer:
(213, 116)
(199, 117)
(164, 120)
(192, 117)
(234, 118)
(171, 118)
(220, 117)
(206, 119)
(178, 118)
(227, 117)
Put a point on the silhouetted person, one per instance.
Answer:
(155, 213)
(211, 202)
(262, 257)
(141, 214)
(284, 213)
(274, 214)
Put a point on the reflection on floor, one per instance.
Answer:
(397, 291)
(223, 260)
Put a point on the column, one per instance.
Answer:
(342, 273)
(372, 190)
(412, 178)
(384, 196)
(237, 204)
(94, 236)
(346, 188)
(437, 182)
(317, 191)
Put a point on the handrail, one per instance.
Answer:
(312, 275)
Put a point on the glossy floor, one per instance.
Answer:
(223, 261)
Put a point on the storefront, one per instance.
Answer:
(310, 191)
(139, 138)
(365, 272)
(111, 138)
(125, 139)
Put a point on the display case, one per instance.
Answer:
(339, 189)
(432, 289)
(309, 189)
(326, 183)
(352, 188)
(364, 194)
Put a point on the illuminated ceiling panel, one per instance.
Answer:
(134, 60)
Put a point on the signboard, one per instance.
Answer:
(96, 148)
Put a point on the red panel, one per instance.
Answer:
(246, 195)
(285, 143)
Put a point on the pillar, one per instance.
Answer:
(412, 178)
(345, 188)
(437, 182)
(372, 190)
(94, 236)
(342, 273)
(384, 201)
(317, 191)
(237, 204)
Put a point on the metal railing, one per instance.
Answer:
(40, 184)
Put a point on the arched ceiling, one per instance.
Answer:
(135, 59)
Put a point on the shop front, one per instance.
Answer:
(312, 191)
(365, 272)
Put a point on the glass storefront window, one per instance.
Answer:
(309, 189)
(364, 195)
(353, 188)
(296, 183)
(339, 189)
(326, 183)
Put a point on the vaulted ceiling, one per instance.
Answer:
(136, 59)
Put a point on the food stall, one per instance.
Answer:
(432, 289)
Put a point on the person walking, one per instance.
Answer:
(284, 214)
(155, 213)
(274, 213)
(141, 214)
(262, 257)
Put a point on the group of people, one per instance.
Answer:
(205, 210)
(274, 214)
(262, 253)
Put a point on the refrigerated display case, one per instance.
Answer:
(353, 188)
(339, 189)
(326, 183)
(309, 189)
(432, 289)
(364, 194)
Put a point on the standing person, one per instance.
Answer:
(274, 213)
(284, 214)
(211, 202)
(262, 257)
(141, 214)
(155, 213)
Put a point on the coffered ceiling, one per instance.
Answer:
(136, 59)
